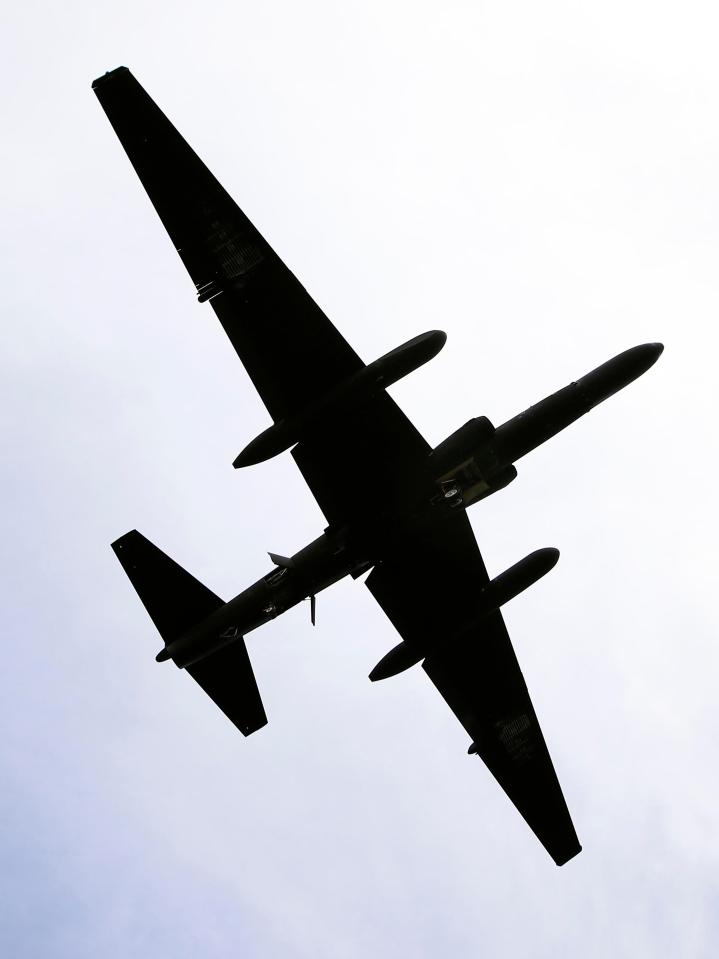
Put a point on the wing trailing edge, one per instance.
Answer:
(432, 592)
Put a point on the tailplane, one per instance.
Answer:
(177, 602)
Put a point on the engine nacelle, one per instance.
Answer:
(461, 446)
(465, 466)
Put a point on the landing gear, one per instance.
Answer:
(452, 494)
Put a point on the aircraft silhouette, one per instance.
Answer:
(395, 507)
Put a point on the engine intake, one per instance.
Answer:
(465, 466)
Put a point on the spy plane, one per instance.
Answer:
(395, 507)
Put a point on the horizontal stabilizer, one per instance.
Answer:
(228, 679)
(175, 600)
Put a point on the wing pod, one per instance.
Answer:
(351, 393)
(495, 594)
(517, 578)
(403, 656)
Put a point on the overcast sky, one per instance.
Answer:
(540, 181)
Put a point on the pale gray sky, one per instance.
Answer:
(539, 180)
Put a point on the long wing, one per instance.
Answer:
(430, 593)
(289, 347)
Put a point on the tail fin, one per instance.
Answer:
(176, 602)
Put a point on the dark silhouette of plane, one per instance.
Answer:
(394, 506)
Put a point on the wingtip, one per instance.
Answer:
(107, 77)
(124, 539)
(248, 729)
(563, 860)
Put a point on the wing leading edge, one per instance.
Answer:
(433, 595)
(290, 349)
